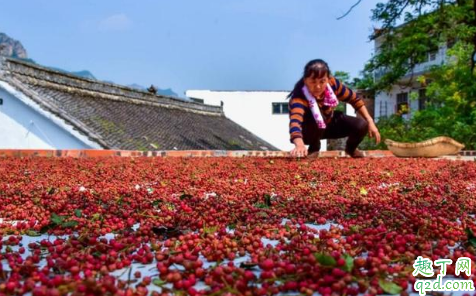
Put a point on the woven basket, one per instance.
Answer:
(435, 147)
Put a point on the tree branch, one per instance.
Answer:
(389, 23)
(350, 9)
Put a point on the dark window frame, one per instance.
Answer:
(382, 108)
(279, 108)
(402, 103)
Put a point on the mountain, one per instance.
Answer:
(137, 86)
(11, 47)
(84, 73)
(165, 92)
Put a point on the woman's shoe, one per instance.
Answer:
(356, 154)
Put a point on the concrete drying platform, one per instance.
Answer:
(465, 155)
(171, 153)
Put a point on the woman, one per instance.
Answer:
(312, 115)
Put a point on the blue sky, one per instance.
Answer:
(191, 44)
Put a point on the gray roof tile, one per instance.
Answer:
(119, 117)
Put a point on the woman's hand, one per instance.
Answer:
(300, 149)
(373, 132)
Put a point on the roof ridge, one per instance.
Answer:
(113, 117)
(39, 72)
(116, 97)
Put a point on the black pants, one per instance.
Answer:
(341, 126)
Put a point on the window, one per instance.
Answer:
(422, 99)
(383, 108)
(402, 103)
(285, 108)
(280, 108)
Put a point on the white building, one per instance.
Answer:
(263, 113)
(25, 125)
(406, 98)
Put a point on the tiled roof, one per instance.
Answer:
(119, 117)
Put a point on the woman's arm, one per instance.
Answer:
(348, 96)
(373, 130)
(296, 116)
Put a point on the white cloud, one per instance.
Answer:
(117, 22)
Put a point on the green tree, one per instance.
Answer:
(343, 77)
(451, 88)
(427, 25)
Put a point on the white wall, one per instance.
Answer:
(413, 103)
(349, 110)
(385, 103)
(390, 98)
(22, 126)
(253, 111)
(437, 58)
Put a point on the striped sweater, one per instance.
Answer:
(299, 111)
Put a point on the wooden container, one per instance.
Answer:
(435, 147)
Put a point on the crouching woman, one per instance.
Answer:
(312, 115)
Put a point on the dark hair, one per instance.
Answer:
(315, 68)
